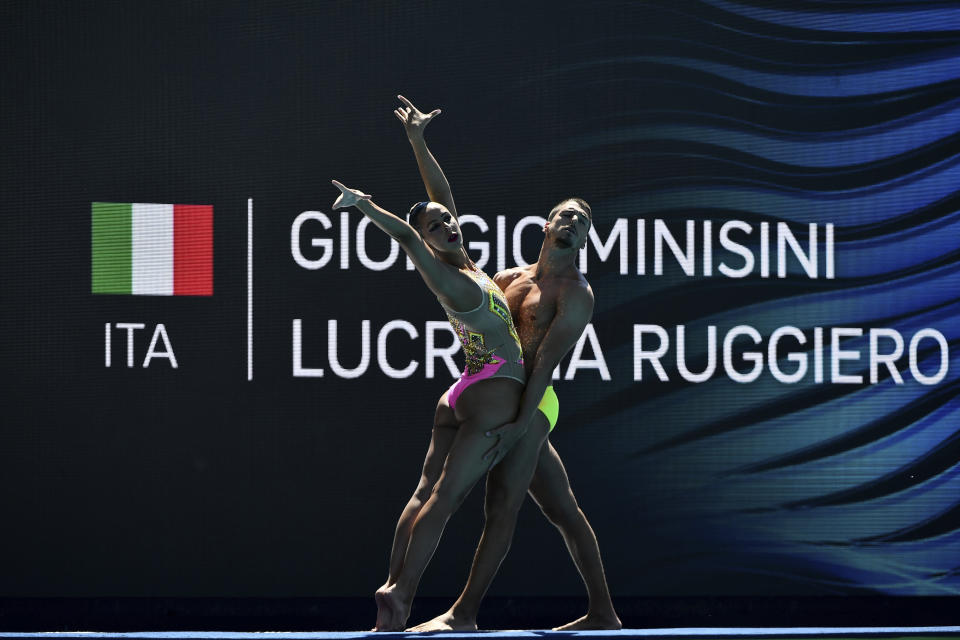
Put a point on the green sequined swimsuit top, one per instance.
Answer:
(487, 332)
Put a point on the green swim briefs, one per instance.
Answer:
(550, 406)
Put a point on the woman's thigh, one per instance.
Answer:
(482, 406)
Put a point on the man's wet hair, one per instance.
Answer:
(580, 201)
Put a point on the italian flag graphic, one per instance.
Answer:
(152, 249)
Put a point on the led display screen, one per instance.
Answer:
(217, 385)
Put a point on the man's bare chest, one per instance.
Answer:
(532, 304)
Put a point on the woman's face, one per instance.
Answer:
(439, 229)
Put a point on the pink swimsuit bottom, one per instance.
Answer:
(466, 379)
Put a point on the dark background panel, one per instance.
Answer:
(195, 483)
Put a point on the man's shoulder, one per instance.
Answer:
(576, 296)
(577, 286)
(505, 277)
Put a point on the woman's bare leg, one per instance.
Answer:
(482, 406)
(444, 430)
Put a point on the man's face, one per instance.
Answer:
(568, 225)
(439, 229)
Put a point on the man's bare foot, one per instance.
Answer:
(448, 621)
(395, 607)
(592, 622)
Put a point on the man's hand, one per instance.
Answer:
(506, 436)
(414, 121)
(348, 197)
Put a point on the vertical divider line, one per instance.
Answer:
(249, 289)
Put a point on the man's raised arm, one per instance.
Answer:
(414, 122)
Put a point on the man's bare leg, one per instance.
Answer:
(444, 430)
(550, 488)
(506, 490)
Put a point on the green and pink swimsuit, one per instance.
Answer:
(489, 339)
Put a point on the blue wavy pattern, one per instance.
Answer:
(902, 19)
(842, 113)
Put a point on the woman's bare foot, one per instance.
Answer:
(448, 621)
(383, 614)
(395, 607)
(592, 622)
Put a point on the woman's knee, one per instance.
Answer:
(422, 494)
(428, 480)
(448, 497)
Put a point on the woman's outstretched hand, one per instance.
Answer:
(348, 197)
(414, 121)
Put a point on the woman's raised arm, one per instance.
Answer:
(438, 276)
(414, 122)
